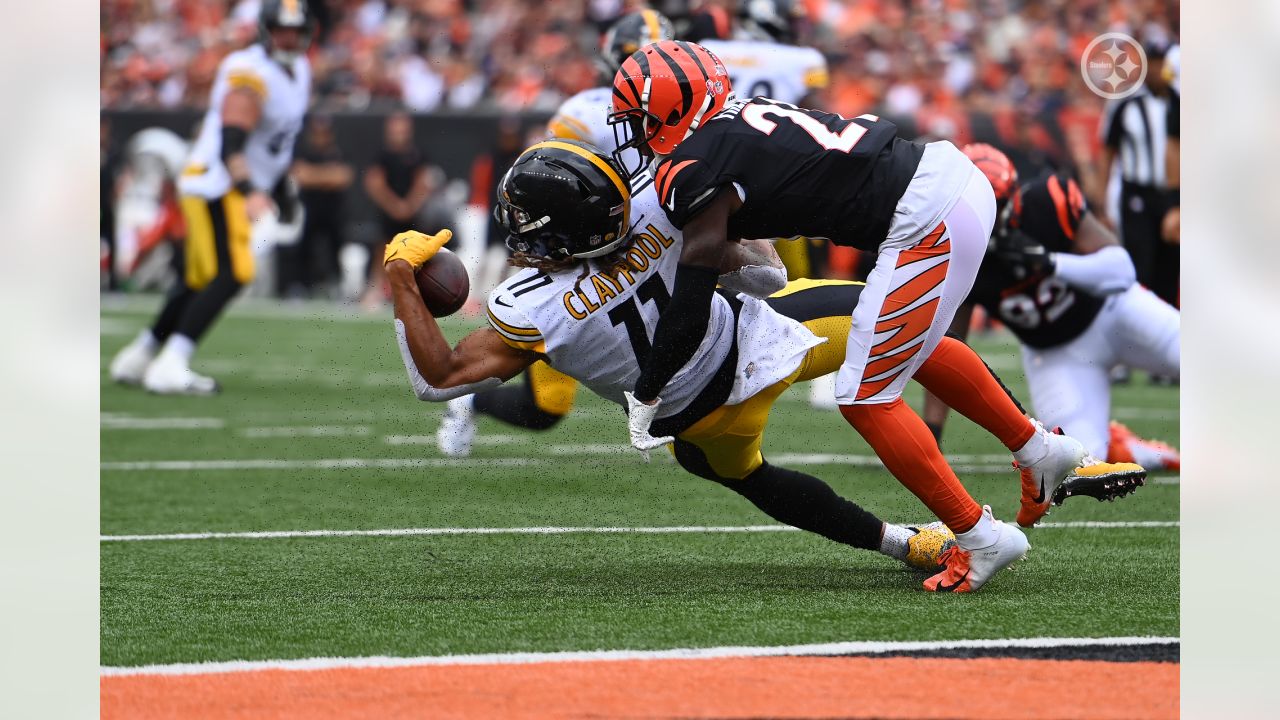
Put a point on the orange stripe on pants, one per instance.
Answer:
(905, 316)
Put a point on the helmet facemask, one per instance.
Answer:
(563, 203)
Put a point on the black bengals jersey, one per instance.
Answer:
(1042, 310)
(804, 172)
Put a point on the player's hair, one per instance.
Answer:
(608, 263)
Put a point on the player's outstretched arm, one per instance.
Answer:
(438, 371)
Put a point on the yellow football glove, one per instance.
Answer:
(414, 247)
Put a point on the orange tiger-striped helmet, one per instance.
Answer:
(1001, 173)
(1003, 177)
(665, 91)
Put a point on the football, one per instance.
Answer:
(443, 283)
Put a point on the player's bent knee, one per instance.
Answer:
(695, 461)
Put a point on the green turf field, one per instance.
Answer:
(309, 383)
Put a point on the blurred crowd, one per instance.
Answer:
(1005, 71)
(938, 61)
(904, 55)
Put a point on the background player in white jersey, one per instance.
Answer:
(239, 160)
(1063, 284)
(761, 56)
(599, 263)
(757, 47)
(547, 395)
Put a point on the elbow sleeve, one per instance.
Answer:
(759, 281)
(233, 140)
(423, 389)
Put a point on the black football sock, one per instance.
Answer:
(207, 305)
(514, 405)
(174, 306)
(808, 503)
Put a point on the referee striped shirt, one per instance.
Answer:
(1136, 128)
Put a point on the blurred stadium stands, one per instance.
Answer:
(999, 71)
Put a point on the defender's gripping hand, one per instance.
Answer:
(414, 247)
(639, 417)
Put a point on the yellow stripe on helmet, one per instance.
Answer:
(623, 188)
(651, 22)
(591, 157)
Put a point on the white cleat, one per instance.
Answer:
(130, 364)
(170, 375)
(968, 570)
(458, 429)
(1041, 479)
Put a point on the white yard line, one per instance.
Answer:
(431, 439)
(295, 431)
(109, 421)
(822, 649)
(1144, 413)
(324, 464)
(641, 530)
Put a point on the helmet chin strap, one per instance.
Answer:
(697, 119)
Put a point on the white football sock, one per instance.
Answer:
(181, 346)
(147, 341)
(984, 534)
(1035, 449)
(893, 541)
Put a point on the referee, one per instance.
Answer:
(1135, 132)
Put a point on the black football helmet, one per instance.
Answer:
(284, 14)
(630, 33)
(564, 199)
(771, 19)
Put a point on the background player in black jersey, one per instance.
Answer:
(1061, 281)
(759, 168)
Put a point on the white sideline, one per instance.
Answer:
(657, 530)
(836, 648)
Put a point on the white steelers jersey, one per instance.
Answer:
(595, 328)
(585, 117)
(269, 148)
(780, 72)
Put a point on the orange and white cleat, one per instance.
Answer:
(967, 570)
(1067, 470)
(1127, 447)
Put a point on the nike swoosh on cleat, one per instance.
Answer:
(1039, 498)
(953, 586)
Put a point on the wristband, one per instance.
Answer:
(244, 187)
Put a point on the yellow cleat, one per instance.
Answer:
(926, 548)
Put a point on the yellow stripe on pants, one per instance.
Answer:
(201, 250)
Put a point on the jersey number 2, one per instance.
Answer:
(843, 141)
(628, 314)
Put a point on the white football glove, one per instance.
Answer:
(639, 418)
